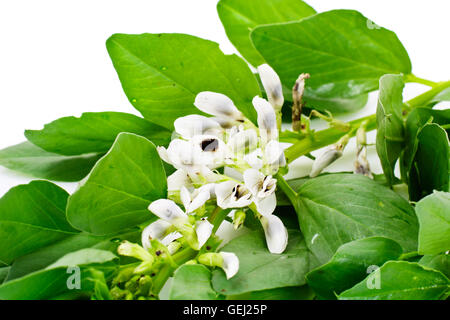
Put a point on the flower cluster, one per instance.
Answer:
(223, 161)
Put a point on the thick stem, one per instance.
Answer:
(413, 78)
(425, 98)
(326, 137)
(288, 191)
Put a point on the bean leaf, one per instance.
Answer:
(93, 132)
(162, 73)
(350, 265)
(338, 208)
(240, 17)
(261, 270)
(55, 279)
(390, 128)
(342, 52)
(434, 223)
(430, 167)
(400, 280)
(31, 217)
(192, 282)
(119, 188)
(440, 262)
(36, 162)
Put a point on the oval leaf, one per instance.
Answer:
(240, 17)
(31, 217)
(93, 132)
(335, 209)
(119, 188)
(350, 265)
(162, 73)
(400, 280)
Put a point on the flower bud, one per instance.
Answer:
(272, 85)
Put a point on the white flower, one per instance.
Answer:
(231, 194)
(263, 189)
(158, 230)
(228, 261)
(272, 85)
(274, 156)
(218, 105)
(195, 200)
(230, 264)
(330, 155)
(194, 124)
(242, 141)
(267, 119)
(182, 155)
(276, 233)
(254, 159)
(178, 179)
(210, 151)
(170, 212)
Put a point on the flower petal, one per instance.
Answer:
(224, 191)
(178, 179)
(185, 197)
(243, 141)
(203, 229)
(253, 180)
(230, 264)
(267, 120)
(217, 104)
(266, 206)
(163, 154)
(167, 210)
(155, 230)
(254, 159)
(324, 160)
(274, 155)
(203, 195)
(276, 233)
(171, 237)
(272, 85)
(195, 124)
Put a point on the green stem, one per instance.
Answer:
(425, 98)
(166, 271)
(408, 255)
(413, 78)
(326, 137)
(288, 191)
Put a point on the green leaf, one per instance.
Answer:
(53, 281)
(119, 188)
(286, 293)
(434, 223)
(240, 17)
(400, 280)
(350, 264)
(440, 262)
(344, 56)
(390, 128)
(31, 217)
(430, 168)
(43, 257)
(3, 273)
(93, 132)
(192, 282)
(32, 160)
(261, 270)
(444, 95)
(417, 118)
(161, 74)
(338, 208)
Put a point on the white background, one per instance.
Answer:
(53, 60)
